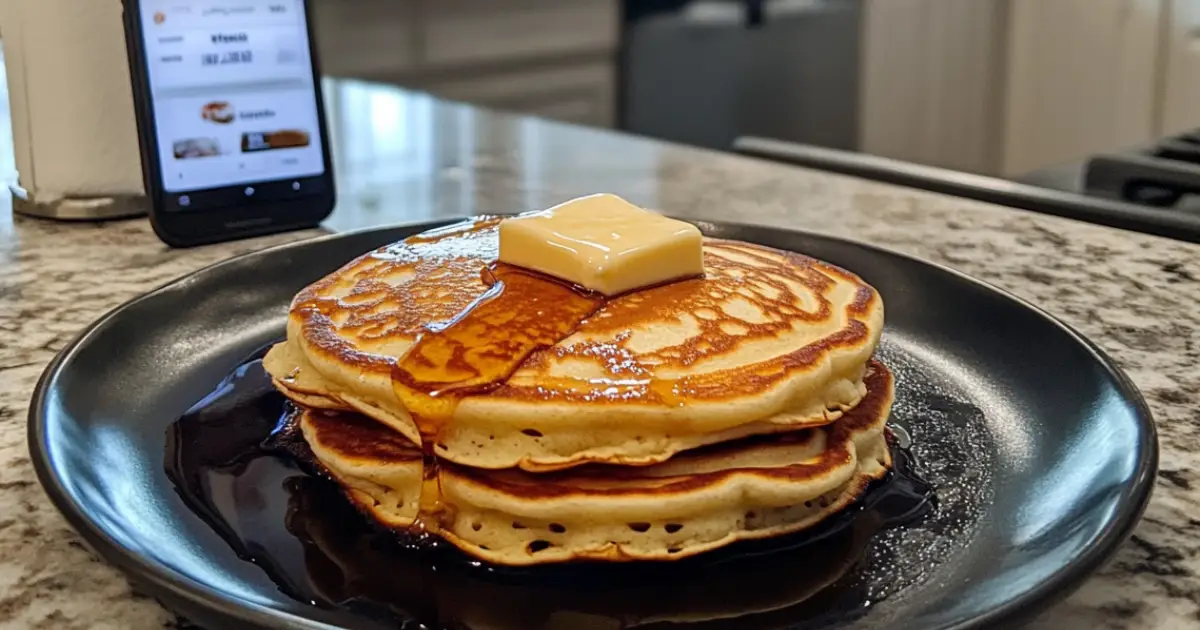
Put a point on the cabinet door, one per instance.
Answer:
(1082, 78)
(1181, 68)
(932, 81)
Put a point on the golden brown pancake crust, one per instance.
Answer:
(357, 437)
(445, 278)
(445, 271)
(414, 335)
(567, 483)
(755, 487)
(758, 282)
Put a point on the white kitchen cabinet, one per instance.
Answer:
(929, 84)
(1081, 78)
(1005, 87)
(1181, 68)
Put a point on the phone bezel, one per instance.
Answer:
(197, 227)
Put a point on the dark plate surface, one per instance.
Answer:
(1041, 453)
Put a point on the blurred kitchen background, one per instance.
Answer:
(1019, 89)
(999, 87)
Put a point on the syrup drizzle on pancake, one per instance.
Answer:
(520, 312)
(472, 322)
(750, 293)
(746, 349)
(479, 348)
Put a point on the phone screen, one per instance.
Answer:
(234, 101)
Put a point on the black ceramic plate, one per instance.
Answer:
(1040, 452)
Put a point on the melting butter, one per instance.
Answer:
(604, 244)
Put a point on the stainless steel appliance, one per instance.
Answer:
(704, 72)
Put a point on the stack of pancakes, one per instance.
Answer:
(659, 424)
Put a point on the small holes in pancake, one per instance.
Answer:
(639, 527)
(484, 547)
(672, 527)
(823, 501)
(476, 526)
(751, 516)
(558, 528)
(538, 545)
(674, 550)
(442, 445)
(491, 437)
(517, 525)
(808, 504)
(532, 432)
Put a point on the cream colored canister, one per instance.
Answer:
(74, 130)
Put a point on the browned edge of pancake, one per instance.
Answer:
(361, 435)
(320, 337)
(559, 484)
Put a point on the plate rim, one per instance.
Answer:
(183, 591)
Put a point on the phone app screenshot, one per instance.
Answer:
(233, 92)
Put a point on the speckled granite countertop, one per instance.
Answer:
(1136, 296)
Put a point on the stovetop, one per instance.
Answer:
(1164, 173)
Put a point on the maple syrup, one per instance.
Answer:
(519, 313)
(296, 525)
(284, 509)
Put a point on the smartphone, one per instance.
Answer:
(230, 117)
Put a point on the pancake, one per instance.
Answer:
(362, 564)
(700, 500)
(768, 341)
(380, 471)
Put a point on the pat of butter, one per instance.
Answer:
(603, 243)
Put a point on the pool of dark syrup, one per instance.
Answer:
(236, 464)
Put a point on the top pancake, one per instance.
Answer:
(767, 341)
